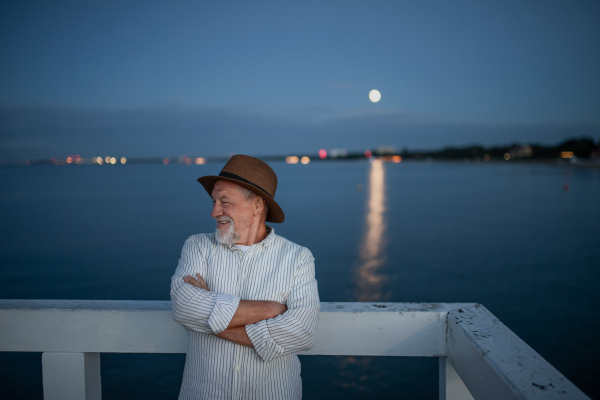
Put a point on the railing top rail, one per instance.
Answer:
(163, 305)
(126, 326)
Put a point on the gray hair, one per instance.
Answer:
(249, 195)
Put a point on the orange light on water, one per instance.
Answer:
(200, 160)
(305, 160)
(123, 160)
(69, 160)
(292, 160)
(397, 159)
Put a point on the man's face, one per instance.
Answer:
(234, 214)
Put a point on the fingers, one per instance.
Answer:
(199, 283)
(277, 308)
(191, 281)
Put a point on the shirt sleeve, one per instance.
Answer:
(194, 308)
(295, 329)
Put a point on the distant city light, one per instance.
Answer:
(506, 156)
(374, 96)
(486, 157)
(107, 159)
(323, 153)
(99, 160)
(292, 160)
(166, 161)
(305, 160)
(200, 160)
(566, 154)
(123, 160)
(69, 160)
(397, 159)
(368, 153)
(113, 160)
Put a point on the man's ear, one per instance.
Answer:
(259, 204)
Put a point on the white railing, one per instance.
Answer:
(479, 356)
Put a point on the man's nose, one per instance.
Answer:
(216, 210)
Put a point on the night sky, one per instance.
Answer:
(149, 78)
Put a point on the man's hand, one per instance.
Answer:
(199, 283)
(251, 311)
(236, 335)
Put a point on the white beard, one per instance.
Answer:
(228, 237)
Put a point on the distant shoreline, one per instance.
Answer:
(578, 163)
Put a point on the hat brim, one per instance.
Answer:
(275, 213)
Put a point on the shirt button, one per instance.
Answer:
(237, 368)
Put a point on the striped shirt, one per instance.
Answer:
(274, 269)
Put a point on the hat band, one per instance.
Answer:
(239, 178)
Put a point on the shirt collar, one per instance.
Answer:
(270, 237)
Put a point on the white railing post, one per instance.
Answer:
(451, 386)
(71, 376)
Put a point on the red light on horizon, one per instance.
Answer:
(323, 153)
(368, 153)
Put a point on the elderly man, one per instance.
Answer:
(247, 297)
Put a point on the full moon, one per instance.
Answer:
(374, 95)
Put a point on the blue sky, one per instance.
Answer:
(149, 78)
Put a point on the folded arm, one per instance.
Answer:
(247, 313)
(295, 329)
(195, 308)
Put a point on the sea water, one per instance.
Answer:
(522, 239)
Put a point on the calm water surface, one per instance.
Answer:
(521, 239)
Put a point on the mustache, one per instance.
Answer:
(223, 219)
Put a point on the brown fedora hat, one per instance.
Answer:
(253, 174)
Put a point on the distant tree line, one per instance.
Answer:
(581, 148)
